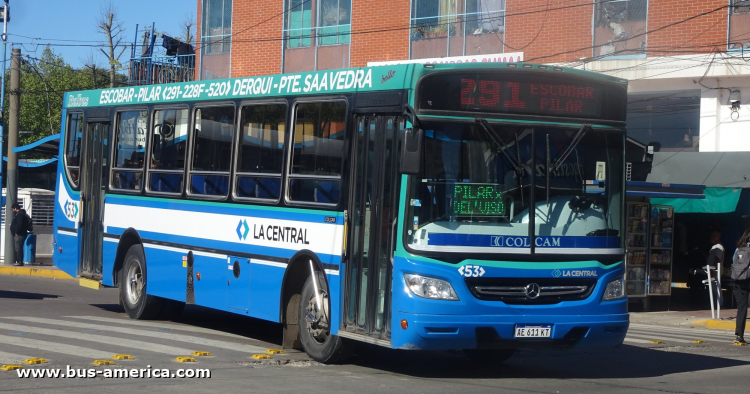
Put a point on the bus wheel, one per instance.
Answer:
(136, 302)
(315, 324)
(489, 356)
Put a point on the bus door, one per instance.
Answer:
(373, 208)
(92, 199)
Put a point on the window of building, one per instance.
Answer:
(74, 135)
(334, 21)
(261, 152)
(316, 34)
(669, 122)
(298, 20)
(212, 151)
(618, 26)
(443, 28)
(130, 150)
(739, 25)
(316, 165)
(168, 147)
(216, 38)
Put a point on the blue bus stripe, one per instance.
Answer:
(226, 248)
(293, 214)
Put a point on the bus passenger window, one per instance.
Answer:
(168, 143)
(315, 174)
(74, 133)
(130, 150)
(212, 151)
(261, 151)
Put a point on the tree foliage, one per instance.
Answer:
(44, 81)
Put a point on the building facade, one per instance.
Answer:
(685, 60)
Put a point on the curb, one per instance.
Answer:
(714, 324)
(35, 272)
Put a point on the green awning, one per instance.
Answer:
(718, 200)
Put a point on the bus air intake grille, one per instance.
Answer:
(531, 291)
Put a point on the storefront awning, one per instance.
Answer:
(717, 200)
(664, 190)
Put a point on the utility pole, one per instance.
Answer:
(12, 176)
(6, 19)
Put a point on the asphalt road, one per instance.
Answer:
(71, 326)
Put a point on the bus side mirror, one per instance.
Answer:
(411, 154)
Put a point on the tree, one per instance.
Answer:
(94, 72)
(187, 25)
(108, 25)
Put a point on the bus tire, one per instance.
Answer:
(137, 303)
(315, 335)
(489, 356)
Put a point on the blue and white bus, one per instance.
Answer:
(459, 206)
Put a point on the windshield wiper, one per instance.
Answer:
(501, 146)
(559, 162)
(576, 139)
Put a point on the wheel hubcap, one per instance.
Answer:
(317, 320)
(134, 283)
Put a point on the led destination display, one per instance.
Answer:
(478, 200)
(511, 93)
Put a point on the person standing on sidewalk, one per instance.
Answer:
(19, 227)
(741, 276)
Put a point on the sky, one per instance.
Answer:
(70, 25)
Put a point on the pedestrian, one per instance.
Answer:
(19, 227)
(741, 276)
(716, 257)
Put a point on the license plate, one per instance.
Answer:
(533, 331)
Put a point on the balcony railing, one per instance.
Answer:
(162, 69)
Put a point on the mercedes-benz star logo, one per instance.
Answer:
(532, 291)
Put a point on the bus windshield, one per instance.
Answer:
(475, 190)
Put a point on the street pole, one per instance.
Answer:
(2, 95)
(12, 176)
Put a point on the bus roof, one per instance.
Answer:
(366, 79)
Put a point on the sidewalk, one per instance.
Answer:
(42, 269)
(701, 318)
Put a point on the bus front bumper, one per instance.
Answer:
(446, 332)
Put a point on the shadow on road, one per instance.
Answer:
(24, 295)
(220, 321)
(620, 363)
(231, 323)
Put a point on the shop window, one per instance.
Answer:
(73, 137)
(669, 122)
(130, 150)
(619, 28)
(316, 166)
(261, 152)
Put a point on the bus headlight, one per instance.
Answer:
(425, 287)
(615, 290)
